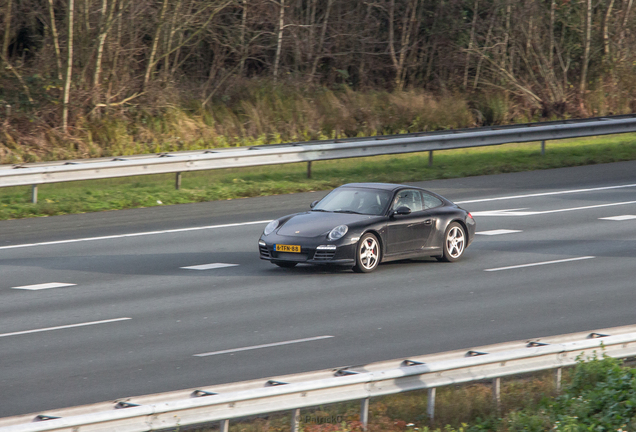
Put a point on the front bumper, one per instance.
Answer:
(310, 250)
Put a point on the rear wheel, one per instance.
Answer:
(368, 254)
(285, 264)
(454, 243)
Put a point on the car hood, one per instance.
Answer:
(313, 224)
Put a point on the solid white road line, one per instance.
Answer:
(43, 286)
(64, 327)
(546, 194)
(516, 212)
(209, 266)
(135, 234)
(540, 263)
(498, 232)
(619, 218)
(263, 346)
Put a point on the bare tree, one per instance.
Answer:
(69, 65)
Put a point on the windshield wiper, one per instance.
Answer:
(320, 210)
(347, 211)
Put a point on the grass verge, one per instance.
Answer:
(148, 191)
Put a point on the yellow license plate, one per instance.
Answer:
(287, 248)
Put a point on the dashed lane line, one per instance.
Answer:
(619, 218)
(498, 232)
(546, 194)
(209, 266)
(539, 264)
(275, 344)
(63, 327)
(135, 234)
(43, 286)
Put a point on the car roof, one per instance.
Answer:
(383, 186)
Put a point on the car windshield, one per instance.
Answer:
(354, 200)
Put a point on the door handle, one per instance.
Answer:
(428, 222)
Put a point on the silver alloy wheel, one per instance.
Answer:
(369, 253)
(455, 241)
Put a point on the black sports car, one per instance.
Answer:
(360, 225)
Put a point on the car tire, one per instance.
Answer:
(454, 243)
(285, 264)
(368, 254)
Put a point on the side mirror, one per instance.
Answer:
(402, 211)
(313, 204)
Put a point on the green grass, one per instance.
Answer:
(148, 191)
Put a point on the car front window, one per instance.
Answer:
(355, 200)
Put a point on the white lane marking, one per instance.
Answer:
(209, 266)
(135, 234)
(516, 212)
(540, 263)
(44, 286)
(619, 218)
(546, 194)
(498, 232)
(263, 346)
(64, 327)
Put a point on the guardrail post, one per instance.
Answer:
(430, 158)
(295, 422)
(558, 373)
(364, 413)
(34, 194)
(224, 426)
(496, 392)
(178, 181)
(309, 169)
(543, 148)
(430, 405)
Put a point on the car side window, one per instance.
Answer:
(430, 201)
(408, 198)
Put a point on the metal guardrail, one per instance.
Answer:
(199, 406)
(41, 173)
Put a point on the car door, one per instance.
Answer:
(408, 233)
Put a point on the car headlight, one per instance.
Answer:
(338, 232)
(270, 227)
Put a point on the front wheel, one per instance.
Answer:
(367, 254)
(454, 243)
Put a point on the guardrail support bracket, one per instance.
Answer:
(309, 169)
(430, 405)
(496, 392)
(178, 181)
(295, 426)
(364, 413)
(430, 158)
(224, 426)
(34, 194)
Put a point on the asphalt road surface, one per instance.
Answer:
(102, 306)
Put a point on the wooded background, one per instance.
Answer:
(67, 63)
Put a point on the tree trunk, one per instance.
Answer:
(155, 43)
(243, 32)
(56, 40)
(552, 19)
(323, 33)
(606, 42)
(69, 66)
(279, 44)
(586, 52)
(471, 42)
(7, 32)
